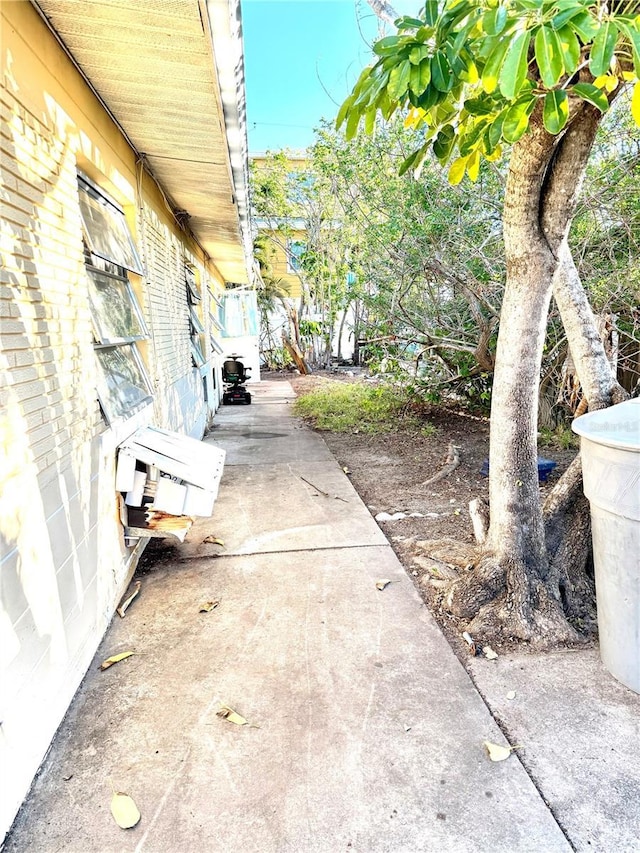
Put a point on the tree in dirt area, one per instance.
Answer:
(537, 75)
(429, 259)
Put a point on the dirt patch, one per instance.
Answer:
(388, 472)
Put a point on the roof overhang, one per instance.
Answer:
(171, 74)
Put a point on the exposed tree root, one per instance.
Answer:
(450, 464)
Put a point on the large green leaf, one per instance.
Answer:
(585, 25)
(406, 23)
(548, 56)
(491, 70)
(589, 92)
(632, 32)
(514, 68)
(418, 53)
(472, 139)
(555, 110)
(494, 133)
(430, 97)
(570, 47)
(494, 20)
(352, 122)
(431, 12)
(399, 80)
(443, 144)
(516, 120)
(425, 73)
(388, 45)
(441, 74)
(479, 106)
(370, 120)
(572, 9)
(604, 45)
(344, 109)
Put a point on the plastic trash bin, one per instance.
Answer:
(610, 449)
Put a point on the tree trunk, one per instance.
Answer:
(530, 573)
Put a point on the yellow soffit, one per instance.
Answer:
(171, 73)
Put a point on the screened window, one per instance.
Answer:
(196, 325)
(105, 228)
(193, 291)
(196, 351)
(123, 386)
(114, 308)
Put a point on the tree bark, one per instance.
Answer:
(531, 572)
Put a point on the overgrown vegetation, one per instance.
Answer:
(362, 408)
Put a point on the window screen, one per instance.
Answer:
(114, 308)
(106, 230)
(122, 383)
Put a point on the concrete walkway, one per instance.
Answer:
(368, 733)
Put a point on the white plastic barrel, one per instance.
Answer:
(610, 449)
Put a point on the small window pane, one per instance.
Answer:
(195, 320)
(193, 293)
(122, 382)
(196, 352)
(115, 310)
(107, 231)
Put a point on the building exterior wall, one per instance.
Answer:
(63, 559)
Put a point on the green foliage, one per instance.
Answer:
(472, 72)
(356, 407)
(560, 438)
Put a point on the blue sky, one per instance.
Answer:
(301, 58)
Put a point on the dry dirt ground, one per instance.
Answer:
(388, 471)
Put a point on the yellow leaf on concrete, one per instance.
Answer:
(212, 540)
(115, 659)
(497, 752)
(489, 653)
(124, 810)
(231, 715)
(208, 606)
(382, 584)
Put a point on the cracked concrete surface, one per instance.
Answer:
(367, 731)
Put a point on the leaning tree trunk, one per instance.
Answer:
(530, 572)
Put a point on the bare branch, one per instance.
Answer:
(383, 10)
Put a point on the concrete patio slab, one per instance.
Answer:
(370, 732)
(367, 733)
(580, 732)
(263, 507)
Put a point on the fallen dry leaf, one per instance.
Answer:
(208, 606)
(511, 694)
(382, 584)
(124, 810)
(489, 653)
(115, 659)
(346, 470)
(212, 540)
(121, 609)
(497, 752)
(231, 715)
